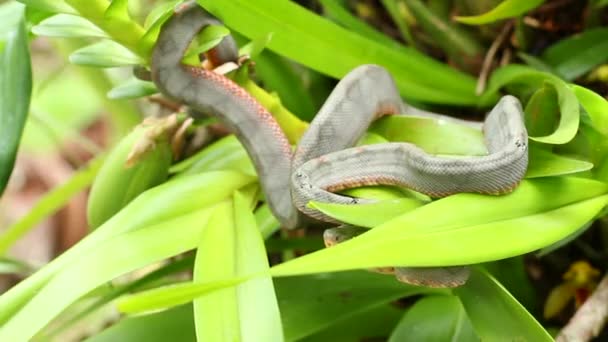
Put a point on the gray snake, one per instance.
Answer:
(325, 160)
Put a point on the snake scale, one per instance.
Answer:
(325, 160)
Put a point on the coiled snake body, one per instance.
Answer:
(324, 160)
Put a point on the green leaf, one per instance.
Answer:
(366, 325)
(576, 55)
(209, 37)
(367, 215)
(483, 298)
(49, 204)
(54, 6)
(15, 85)
(170, 325)
(544, 164)
(435, 318)
(432, 135)
(118, 10)
(312, 303)
(133, 88)
(417, 76)
(459, 45)
(255, 47)
(506, 9)
(336, 11)
(216, 315)
(106, 261)
(515, 74)
(251, 258)
(10, 266)
(68, 26)
(170, 296)
(447, 232)
(105, 54)
(224, 154)
(169, 200)
(540, 111)
(595, 105)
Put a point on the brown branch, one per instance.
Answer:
(489, 58)
(589, 320)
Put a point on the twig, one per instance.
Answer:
(487, 61)
(589, 320)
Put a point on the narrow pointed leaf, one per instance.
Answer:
(417, 76)
(68, 26)
(506, 9)
(483, 297)
(15, 85)
(132, 89)
(449, 231)
(105, 54)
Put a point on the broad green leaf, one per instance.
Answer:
(216, 315)
(169, 325)
(483, 298)
(49, 204)
(506, 9)
(224, 154)
(574, 56)
(133, 88)
(105, 54)
(251, 258)
(169, 200)
(15, 85)
(595, 105)
(515, 74)
(367, 325)
(104, 262)
(544, 164)
(418, 77)
(266, 222)
(540, 111)
(367, 215)
(68, 26)
(118, 10)
(448, 231)
(435, 318)
(153, 24)
(432, 135)
(54, 6)
(312, 303)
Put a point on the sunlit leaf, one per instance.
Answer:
(132, 89)
(506, 9)
(595, 105)
(544, 164)
(105, 54)
(448, 231)
(54, 6)
(67, 26)
(417, 76)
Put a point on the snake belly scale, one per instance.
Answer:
(325, 160)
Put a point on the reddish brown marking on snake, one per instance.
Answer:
(238, 92)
